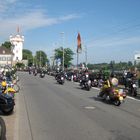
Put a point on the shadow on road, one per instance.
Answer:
(100, 100)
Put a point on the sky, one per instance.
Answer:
(109, 29)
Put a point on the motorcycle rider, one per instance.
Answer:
(3, 84)
(30, 70)
(84, 77)
(108, 85)
(60, 74)
(128, 78)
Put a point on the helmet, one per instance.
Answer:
(3, 83)
(114, 81)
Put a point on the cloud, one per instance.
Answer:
(4, 5)
(113, 42)
(31, 20)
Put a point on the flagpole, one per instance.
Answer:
(77, 59)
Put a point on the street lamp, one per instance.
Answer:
(86, 55)
(62, 35)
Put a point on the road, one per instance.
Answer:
(49, 111)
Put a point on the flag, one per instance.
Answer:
(79, 45)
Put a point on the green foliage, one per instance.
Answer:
(111, 66)
(68, 55)
(41, 58)
(7, 45)
(20, 65)
(27, 55)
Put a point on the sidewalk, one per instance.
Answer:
(10, 121)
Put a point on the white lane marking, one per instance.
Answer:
(89, 107)
(96, 88)
(133, 98)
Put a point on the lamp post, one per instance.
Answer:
(62, 35)
(86, 55)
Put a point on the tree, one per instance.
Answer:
(27, 55)
(7, 45)
(41, 58)
(112, 64)
(130, 64)
(20, 65)
(68, 56)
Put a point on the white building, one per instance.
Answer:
(137, 58)
(17, 44)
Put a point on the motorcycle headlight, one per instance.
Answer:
(120, 98)
(89, 82)
(134, 85)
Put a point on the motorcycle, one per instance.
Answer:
(85, 84)
(35, 73)
(94, 83)
(42, 75)
(132, 87)
(113, 95)
(30, 72)
(61, 80)
(2, 129)
(6, 103)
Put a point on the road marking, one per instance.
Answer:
(89, 107)
(96, 88)
(133, 98)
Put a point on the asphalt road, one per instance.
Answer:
(49, 111)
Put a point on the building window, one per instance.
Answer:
(3, 58)
(138, 57)
(8, 58)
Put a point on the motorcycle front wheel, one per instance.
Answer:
(88, 88)
(134, 92)
(117, 102)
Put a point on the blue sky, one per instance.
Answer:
(110, 29)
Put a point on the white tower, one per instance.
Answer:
(17, 44)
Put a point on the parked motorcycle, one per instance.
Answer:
(2, 129)
(6, 103)
(114, 96)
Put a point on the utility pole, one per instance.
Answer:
(40, 58)
(62, 35)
